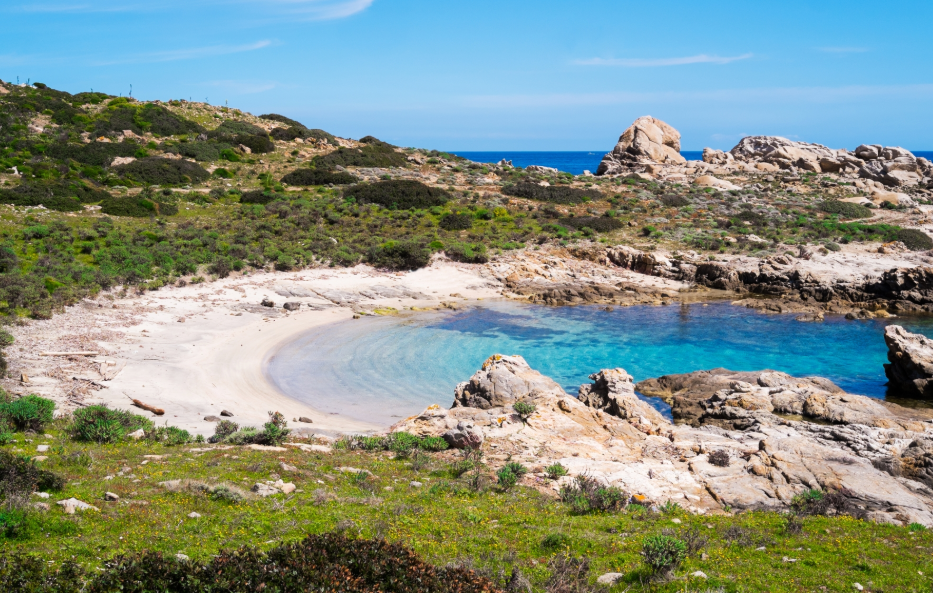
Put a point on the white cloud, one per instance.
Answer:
(843, 50)
(186, 54)
(657, 62)
(325, 9)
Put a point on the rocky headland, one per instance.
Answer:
(739, 440)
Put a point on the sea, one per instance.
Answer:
(381, 369)
(575, 162)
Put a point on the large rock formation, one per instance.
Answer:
(911, 362)
(877, 455)
(647, 141)
(892, 165)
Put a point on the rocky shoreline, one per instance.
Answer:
(774, 437)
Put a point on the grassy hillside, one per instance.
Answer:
(195, 500)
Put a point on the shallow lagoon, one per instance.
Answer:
(382, 369)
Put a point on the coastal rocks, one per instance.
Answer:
(875, 454)
(502, 381)
(464, 436)
(614, 393)
(714, 182)
(910, 370)
(784, 153)
(717, 157)
(646, 141)
(540, 169)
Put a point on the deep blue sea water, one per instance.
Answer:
(572, 162)
(382, 368)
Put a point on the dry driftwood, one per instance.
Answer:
(80, 353)
(147, 407)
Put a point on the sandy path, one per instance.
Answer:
(215, 359)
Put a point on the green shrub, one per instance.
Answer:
(282, 120)
(553, 194)
(589, 495)
(400, 255)
(663, 554)
(506, 478)
(168, 435)
(555, 541)
(433, 444)
(274, 431)
(329, 562)
(98, 154)
(832, 246)
(259, 196)
(162, 171)
(100, 424)
(137, 207)
(524, 409)
(20, 477)
(30, 412)
(555, 471)
(674, 200)
(224, 429)
(201, 151)
(372, 155)
(600, 224)
(299, 131)
(456, 221)
(915, 239)
(474, 253)
(60, 196)
(845, 209)
(401, 194)
(223, 173)
(237, 128)
(317, 177)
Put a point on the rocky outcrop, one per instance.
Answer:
(910, 370)
(501, 382)
(647, 141)
(892, 166)
(613, 392)
(879, 456)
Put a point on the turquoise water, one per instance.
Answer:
(381, 369)
(572, 161)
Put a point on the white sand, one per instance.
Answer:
(215, 359)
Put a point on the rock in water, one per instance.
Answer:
(614, 393)
(646, 141)
(911, 361)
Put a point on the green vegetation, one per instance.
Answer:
(318, 177)
(138, 207)
(398, 194)
(845, 209)
(914, 239)
(374, 153)
(355, 516)
(162, 171)
(553, 194)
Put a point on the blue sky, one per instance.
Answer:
(504, 75)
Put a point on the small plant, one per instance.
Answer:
(516, 468)
(670, 507)
(274, 432)
(226, 493)
(507, 479)
(917, 527)
(588, 495)
(555, 541)
(524, 410)
(719, 458)
(20, 477)
(663, 554)
(434, 444)
(555, 471)
(169, 435)
(223, 430)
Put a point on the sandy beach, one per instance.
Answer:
(197, 350)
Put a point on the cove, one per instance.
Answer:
(383, 369)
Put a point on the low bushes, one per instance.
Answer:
(30, 412)
(100, 424)
(98, 154)
(400, 255)
(137, 207)
(274, 432)
(20, 477)
(200, 151)
(328, 562)
(162, 171)
(238, 132)
(554, 194)
(468, 253)
(588, 495)
(396, 441)
(260, 196)
(373, 154)
(63, 197)
(663, 554)
(288, 134)
(914, 239)
(845, 209)
(456, 221)
(317, 177)
(400, 194)
(674, 200)
(600, 224)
